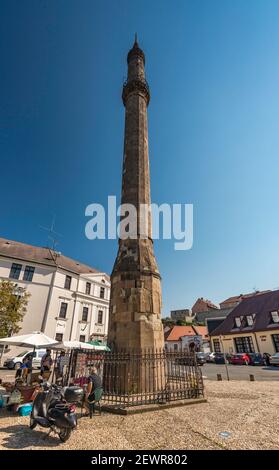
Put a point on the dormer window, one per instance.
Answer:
(250, 320)
(274, 316)
(237, 322)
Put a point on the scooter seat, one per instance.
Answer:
(43, 422)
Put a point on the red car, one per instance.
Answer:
(240, 359)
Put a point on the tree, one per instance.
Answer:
(167, 321)
(13, 306)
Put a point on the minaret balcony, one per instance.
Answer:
(139, 86)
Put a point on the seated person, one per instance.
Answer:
(94, 382)
(23, 370)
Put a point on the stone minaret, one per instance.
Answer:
(135, 304)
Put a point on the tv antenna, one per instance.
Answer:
(52, 234)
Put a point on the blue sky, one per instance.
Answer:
(213, 70)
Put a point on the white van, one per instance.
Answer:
(15, 362)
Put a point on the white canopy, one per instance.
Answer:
(37, 339)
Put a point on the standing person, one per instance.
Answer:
(266, 357)
(59, 367)
(94, 383)
(246, 359)
(46, 362)
(29, 367)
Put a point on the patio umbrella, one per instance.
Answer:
(72, 345)
(98, 346)
(37, 339)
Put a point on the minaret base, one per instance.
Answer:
(135, 305)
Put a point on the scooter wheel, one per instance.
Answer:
(32, 424)
(64, 434)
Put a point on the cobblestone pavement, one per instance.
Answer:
(248, 411)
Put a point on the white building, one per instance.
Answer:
(69, 300)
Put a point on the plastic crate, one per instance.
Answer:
(25, 410)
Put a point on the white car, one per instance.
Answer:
(15, 362)
(274, 360)
(211, 357)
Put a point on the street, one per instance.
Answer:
(210, 371)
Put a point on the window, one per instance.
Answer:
(250, 320)
(68, 281)
(274, 317)
(28, 273)
(216, 346)
(275, 339)
(244, 344)
(15, 271)
(175, 347)
(102, 292)
(84, 313)
(63, 310)
(100, 316)
(88, 288)
(237, 322)
(82, 338)
(59, 337)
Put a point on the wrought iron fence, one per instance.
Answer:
(133, 378)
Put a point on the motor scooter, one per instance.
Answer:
(55, 408)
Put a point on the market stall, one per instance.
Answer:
(26, 384)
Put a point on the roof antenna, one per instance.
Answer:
(52, 233)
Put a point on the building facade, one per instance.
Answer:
(203, 305)
(252, 326)
(182, 315)
(69, 300)
(189, 337)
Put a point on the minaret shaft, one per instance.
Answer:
(135, 304)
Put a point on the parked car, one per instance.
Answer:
(256, 359)
(240, 359)
(201, 358)
(16, 361)
(221, 358)
(274, 360)
(211, 357)
(189, 360)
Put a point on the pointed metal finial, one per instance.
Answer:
(136, 38)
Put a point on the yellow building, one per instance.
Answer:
(252, 326)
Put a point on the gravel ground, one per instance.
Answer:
(249, 411)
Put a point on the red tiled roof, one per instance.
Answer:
(203, 305)
(201, 330)
(178, 331)
(238, 298)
